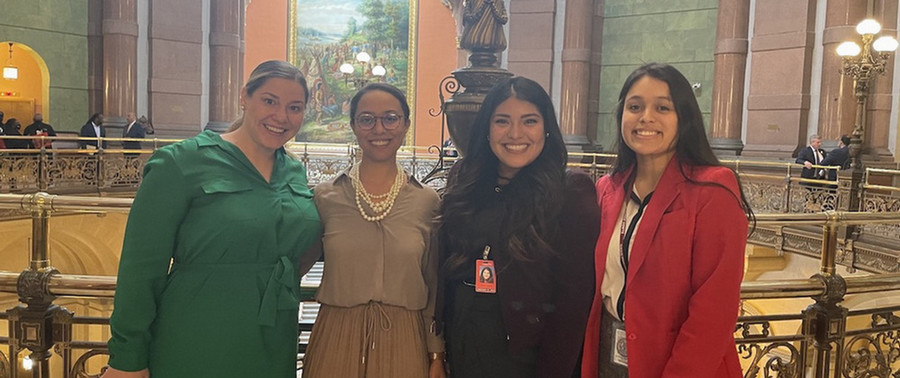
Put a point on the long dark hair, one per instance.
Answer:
(534, 195)
(269, 70)
(691, 144)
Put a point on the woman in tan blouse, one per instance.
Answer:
(378, 289)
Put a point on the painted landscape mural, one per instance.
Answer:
(371, 37)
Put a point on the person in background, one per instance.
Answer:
(208, 283)
(93, 128)
(838, 157)
(380, 281)
(13, 128)
(39, 128)
(132, 130)
(2, 132)
(673, 233)
(511, 208)
(813, 154)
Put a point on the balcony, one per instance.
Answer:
(824, 323)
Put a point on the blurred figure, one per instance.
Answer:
(39, 128)
(839, 156)
(13, 128)
(93, 128)
(132, 130)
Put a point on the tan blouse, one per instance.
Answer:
(392, 261)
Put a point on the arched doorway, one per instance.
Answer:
(30, 92)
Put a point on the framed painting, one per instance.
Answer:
(340, 45)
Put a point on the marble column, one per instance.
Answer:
(878, 118)
(95, 56)
(576, 72)
(225, 18)
(530, 51)
(837, 104)
(729, 71)
(120, 36)
(593, 118)
(781, 69)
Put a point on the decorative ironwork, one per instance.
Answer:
(79, 368)
(5, 365)
(778, 359)
(873, 351)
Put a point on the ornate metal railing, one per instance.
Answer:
(830, 341)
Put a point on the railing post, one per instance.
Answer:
(786, 201)
(826, 319)
(32, 326)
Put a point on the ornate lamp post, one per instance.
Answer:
(863, 64)
(362, 78)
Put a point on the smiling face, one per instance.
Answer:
(379, 144)
(517, 135)
(649, 122)
(273, 113)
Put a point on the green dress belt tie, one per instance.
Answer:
(282, 289)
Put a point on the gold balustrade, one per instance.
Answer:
(40, 284)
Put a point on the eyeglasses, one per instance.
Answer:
(389, 121)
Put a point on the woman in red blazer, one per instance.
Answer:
(671, 246)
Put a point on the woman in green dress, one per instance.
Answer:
(208, 283)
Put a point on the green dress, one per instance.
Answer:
(227, 306)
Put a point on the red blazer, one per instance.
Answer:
(687, 263)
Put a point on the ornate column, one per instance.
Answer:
(95, 56)
(881, 95)
(120, 34)
(728, 82)
(837, 103)
(780, 72)
(225, 18)
(593, 118)
(576, 72)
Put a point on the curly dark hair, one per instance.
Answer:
(534, 197)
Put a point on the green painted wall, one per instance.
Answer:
(57, 31)
(679, 32)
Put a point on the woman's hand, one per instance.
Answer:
(114, 373)
(436, 370)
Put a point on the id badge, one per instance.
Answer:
(620, 348)
(485, 276)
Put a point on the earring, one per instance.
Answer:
(243, 107)
(547, 134)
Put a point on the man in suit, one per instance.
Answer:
(92, 129)
(839, 156)
(811, 155)
(39, 128)
(133, 130)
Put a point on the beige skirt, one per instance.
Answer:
(368, 341)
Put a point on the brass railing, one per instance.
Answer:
(40, 326)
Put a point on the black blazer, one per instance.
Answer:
(137, 131)
(806, 154)
(838, 156)
(87, 131)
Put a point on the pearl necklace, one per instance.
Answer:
(380, 204)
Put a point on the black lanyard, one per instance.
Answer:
(625, 241)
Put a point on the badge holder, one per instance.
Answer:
(485, 274)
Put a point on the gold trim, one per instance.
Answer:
(412, 59)
(292, 30)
